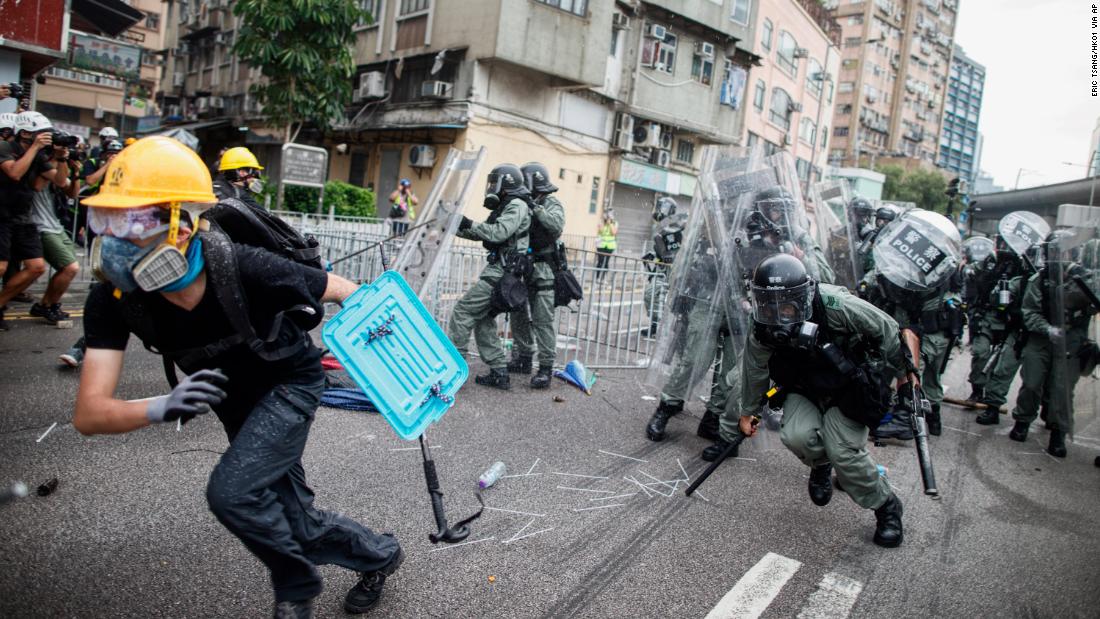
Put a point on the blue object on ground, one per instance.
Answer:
(577, 375)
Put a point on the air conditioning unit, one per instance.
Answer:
(372, 85)
(422, 156)
(666, 140)
(801, 52)
(704, 49)
(202, 104)
(620, 21)
(436, 90)
(178, 80)
(653, 31)
(647, 135)
(221, 38)
(218, 103)
(796, 106)
(624, 132)
(662, 158)
(788, 140)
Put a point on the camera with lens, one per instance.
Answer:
(15, 89)
(64, 139)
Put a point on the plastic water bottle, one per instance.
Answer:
(490, 477)
(881, 470)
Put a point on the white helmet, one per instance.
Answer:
(7, 120)
(32, 122)
(108, 133)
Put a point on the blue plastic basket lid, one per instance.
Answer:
(397, 354)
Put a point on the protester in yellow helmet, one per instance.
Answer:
(238, 175)
(236, 319)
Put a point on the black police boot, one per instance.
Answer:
(541, 380)
(520, 365)
(655, 429)
(888, 532)
(498, 379)
(1019, 432)
(710, 454)
(976, 394)
(935, 428)
(368, 590)
(708, 426)
(1057, 445)
(821, 484)
(989, 417)
(897, 428)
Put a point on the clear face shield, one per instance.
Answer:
(785, 314)
(119, 260)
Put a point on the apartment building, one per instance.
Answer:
(110, 76)
(792, 92)
(960, 142)
(616, 98)
(895, 59)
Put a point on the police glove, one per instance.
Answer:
(466, 223)
(1054, 333)
(195, 395)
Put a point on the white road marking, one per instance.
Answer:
(523, 475)
(510, 511)
(750, 597)
(448, 547)
(414, 448)
(533, 466)
(608, 498)
(958, 430)
(834, 598)
(640, 485)
(48, 430)
(521, 530)
(622, 456)
(664, 483)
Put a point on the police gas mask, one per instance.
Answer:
(158, 265)
(782, 303)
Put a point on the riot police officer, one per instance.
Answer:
(500, 288)
(980, 275)
(832, 356)
(547, 222)
(666, 244)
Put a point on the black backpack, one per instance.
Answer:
(252, 225)
(224, 278)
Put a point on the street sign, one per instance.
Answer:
(94, 53)
(304, 165)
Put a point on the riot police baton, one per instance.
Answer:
(919, 406)
(732, 447)
(381, 242)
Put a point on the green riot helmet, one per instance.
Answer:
(537, 178)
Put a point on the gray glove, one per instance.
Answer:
(1054, 333)
(195, 395)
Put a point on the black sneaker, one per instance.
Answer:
(497, 379)
(23, 297)
(366, 593)
(52, 314)
(38, 310)
(821, 486)
(294, 610)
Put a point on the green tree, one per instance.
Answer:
(893, 173)
(923, 187)
(345, 199)
(303, 48)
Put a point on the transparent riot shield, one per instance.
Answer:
(918, 251)
(1072, 301)
(838, 230)
(691, 317)
(425, 259)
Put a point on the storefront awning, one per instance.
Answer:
(111, 17)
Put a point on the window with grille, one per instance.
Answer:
(780, 110)
(685, 152)
(766, 35)
(409, 7)
(576, 7)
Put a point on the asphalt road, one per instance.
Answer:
(127, 533)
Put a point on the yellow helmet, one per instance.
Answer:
(155, 170)
(238, 157)
(130, 141)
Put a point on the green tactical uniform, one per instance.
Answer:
(813, 426)
(550, 215)
(825, 274)
(666, 244)
(506, 230)
(985, 324)
(698, 351)
(1002, 373)
(1039, 369)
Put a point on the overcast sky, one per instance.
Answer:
(1036, 110)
